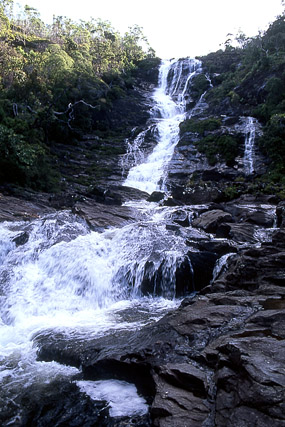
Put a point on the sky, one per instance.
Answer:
(174, 28)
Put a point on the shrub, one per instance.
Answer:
(200, 126)
(225, 146)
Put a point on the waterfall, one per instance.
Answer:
(170, 100)
(250, 129)
(64, 277)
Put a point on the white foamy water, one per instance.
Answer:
(170, 107)
(121, 396)
(250, 129)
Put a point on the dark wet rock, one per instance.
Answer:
(100, 216)
(170, 201)
(216, 357)
(156, 196)
(223, 231)
(260, 217)
(280, 214)
(252, 210)
(186, 376)
(159, 280)
(105, 196)
(115, 195)
(210, 220)
(128, 193)
(256, 268)
(177, 406)
(245, 416)
(202, 267)
(196, 195)
(278, 238)
(62, 200)
(181, 217)
(240, 233)
(250, 376)
(21, 239)
(198, 323)
(15, 209)
(192, 273)
(59, 403)
(217, 246)
(217, 360)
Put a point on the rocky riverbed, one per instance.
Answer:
(216, 360)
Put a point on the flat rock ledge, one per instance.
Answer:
(15, 209)
(98, 215)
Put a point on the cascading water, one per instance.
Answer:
(65, 277)
(170, 99)
(250, 128)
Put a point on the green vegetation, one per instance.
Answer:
(273, 145)
(225, 146)
(212, 142)
(248, 78)
(61, 81)
(200, 126)
(199, 85)
(56, 83)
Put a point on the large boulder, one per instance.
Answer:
(240, 233)
(210, 220)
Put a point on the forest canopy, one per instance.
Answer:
(51, 79)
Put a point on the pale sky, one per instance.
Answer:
(174, 28)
